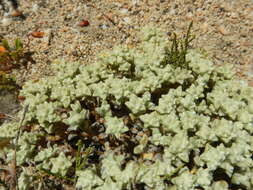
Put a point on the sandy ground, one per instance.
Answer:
(223, 28)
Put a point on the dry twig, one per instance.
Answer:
(13, 169)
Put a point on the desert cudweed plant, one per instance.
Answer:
(146, 120)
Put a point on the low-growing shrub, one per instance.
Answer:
(136, 119)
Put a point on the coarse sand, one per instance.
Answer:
(77, 30)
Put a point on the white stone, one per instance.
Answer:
(124, 11)
(35, 7)
(127, 20)
(6, 21)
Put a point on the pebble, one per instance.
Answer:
(135, 2)
(189, 16)
(6, 21)
(104, 26)
(35, 8)
(234, 15)
(204, 27)
(172, 12)
(124, 11)
(127, 20)
(47, 36)
(84, 23)
(2, 49)
(223, 30)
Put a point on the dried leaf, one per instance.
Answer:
(16, 13)
(37, 34)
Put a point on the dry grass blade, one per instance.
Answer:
(13, 165)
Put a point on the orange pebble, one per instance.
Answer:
(2, 49)
(84, 23)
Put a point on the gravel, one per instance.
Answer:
(222, 28)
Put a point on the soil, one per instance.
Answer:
(77, 30)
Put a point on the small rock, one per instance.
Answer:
(84, 23)
(189, 16)
(2, 49)
(204, 27)
(6, 21)
(172, 12)
(124, 11)
(135, 2)
(47, 36)
(223, 30)
(104, 26)
(8, 102)
(35, 8)
(127, 20)
(234, 15)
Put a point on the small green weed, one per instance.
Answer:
(82, 156)
(12, 57)
(179, 48)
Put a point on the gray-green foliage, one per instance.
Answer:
(153, 125)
